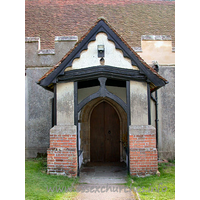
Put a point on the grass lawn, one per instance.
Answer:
(39, 185)
(155, 187)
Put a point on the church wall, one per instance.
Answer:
(38, 119)
(157, 48)
(38, 101)
(166, 113)
(36, 57)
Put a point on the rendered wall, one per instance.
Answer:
(138, 103)
(36, 57)
(112, 57)
(65, 103)
(166, 124)
(159, 48)
(38, 119)
(166, 114)
(38, 101)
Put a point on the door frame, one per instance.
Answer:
(102, 93)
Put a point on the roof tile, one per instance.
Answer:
(131, 18)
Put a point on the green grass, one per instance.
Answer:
(38, 183)
(148, 187)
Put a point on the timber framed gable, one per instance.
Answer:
(57, 73)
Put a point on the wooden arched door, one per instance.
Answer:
(104, 134)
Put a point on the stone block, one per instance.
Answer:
(142, 130)
(63, 130)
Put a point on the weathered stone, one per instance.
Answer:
(63, 130)
(138, 103)
(141, 130)
(65, 103)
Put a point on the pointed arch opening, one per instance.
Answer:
(103, 131)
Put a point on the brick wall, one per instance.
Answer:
(143, 152)
(62, 155)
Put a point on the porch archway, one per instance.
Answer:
(85, 127)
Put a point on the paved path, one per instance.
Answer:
(104, 192)
(103, 182)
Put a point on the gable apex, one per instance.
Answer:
(111, 55)
(101, 26)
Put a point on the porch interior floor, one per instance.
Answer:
(103, 173)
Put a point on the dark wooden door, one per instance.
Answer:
(104, 134)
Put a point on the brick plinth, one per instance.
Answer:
(143, 152)
(62, 154)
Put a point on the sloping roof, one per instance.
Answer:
(101, 26)
(131, 18)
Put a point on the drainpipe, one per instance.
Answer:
(156, 67)
(55, 106)
(156, 111)
(156, 120)
(76, 122)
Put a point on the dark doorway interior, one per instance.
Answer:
(104, 134)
